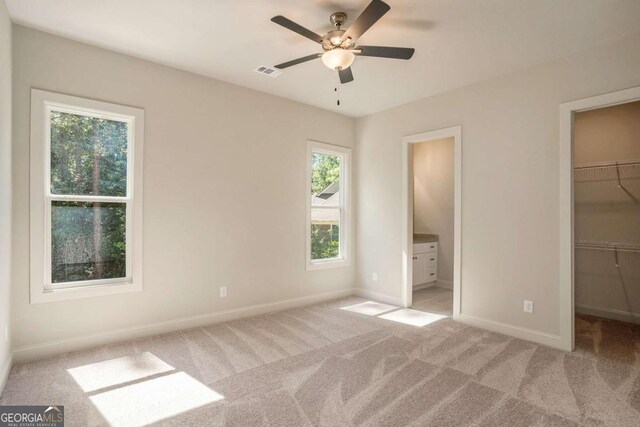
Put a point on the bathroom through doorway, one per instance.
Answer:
(433, 222)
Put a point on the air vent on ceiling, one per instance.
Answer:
(268, 71)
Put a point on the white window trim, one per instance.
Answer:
(345, 194)
(40, 198)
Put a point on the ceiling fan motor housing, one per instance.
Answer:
(333, 39)
(338, 19)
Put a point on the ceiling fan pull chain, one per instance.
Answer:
(337, 94)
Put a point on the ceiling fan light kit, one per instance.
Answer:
(338, 58)
(339, 46)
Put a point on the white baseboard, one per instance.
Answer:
(514, 331)
(447, 284)
(365, 293)
(4, 373)
(424, 286)
(608, 313)
(38, 351)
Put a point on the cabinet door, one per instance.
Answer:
(420, 268)
(416, 271)
(423, 262)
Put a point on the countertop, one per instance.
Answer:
(425, 238)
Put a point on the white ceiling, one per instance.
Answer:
(457, 42)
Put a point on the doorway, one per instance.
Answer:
(599, 220)
(432, 221)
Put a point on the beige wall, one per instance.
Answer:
(604, 213)
(224, 190)
(510, 184)
(607, 134)
(5, 187)
(433, 201)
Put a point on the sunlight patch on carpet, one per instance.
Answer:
(412, 317)
(153, 400)
(370, 308)
(112, 372)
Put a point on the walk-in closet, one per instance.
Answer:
(607, 228)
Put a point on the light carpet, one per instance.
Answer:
(323, 366)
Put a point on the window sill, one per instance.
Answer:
(64, 294)
(329, 264)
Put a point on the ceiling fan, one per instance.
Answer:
(340, 45)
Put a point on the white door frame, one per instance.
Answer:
(407, 212)
(566, 279)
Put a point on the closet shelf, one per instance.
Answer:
(614, 172)
(610, 171)
(604, 165)
(607, 246)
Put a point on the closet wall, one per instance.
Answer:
(607, 212)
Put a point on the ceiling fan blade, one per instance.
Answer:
(289, 24)
(385, 52)
(298, 61)
(345, 75)
(370, 16)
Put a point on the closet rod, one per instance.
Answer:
(608, 165)
(606, 246)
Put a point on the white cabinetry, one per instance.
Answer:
(425, 263)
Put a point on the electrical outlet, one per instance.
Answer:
(375, 277)
(223, 292)
(528, 306)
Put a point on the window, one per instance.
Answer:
(328, 214)
(86, 182)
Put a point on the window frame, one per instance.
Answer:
(41, 287)
(344, 260)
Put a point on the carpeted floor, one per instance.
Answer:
(320, 365)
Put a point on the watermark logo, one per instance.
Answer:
(32, 416)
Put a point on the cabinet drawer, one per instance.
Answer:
(432, 260)
(432, 274)
(420, 248)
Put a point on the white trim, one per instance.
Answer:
(566, 255)
(5, 371)
(346, 236)
(38, 351)
(445, 284)
(327, 264)
(407, 214)
(514, 331)
(376, 296)
(42, 103)
(73, 293)
(608, 313)
(88, 199)
(424, 286)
